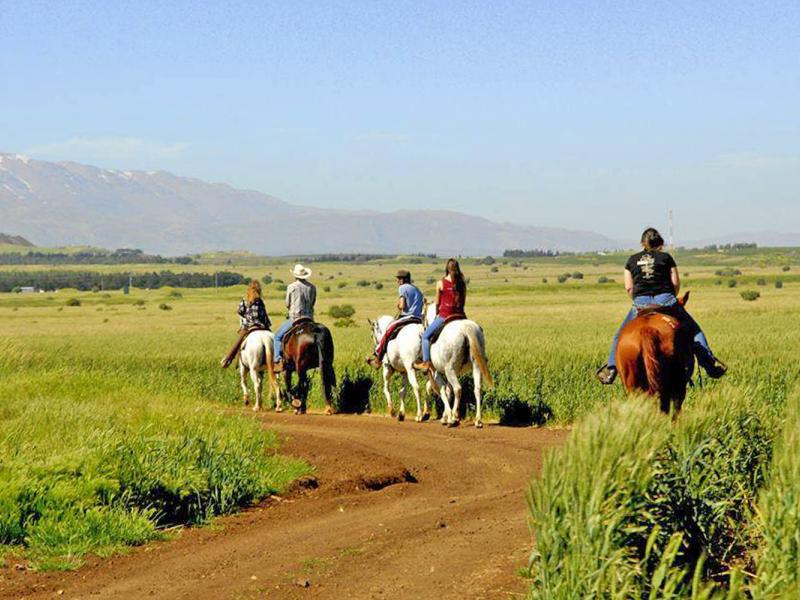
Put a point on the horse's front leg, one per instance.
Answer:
(401, 416)
(444, 394)
(302, 387)
(387, 391)
(243, 382)
(411, 376)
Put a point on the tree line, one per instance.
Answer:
(86, 280)
(517, 253)
(121, 256)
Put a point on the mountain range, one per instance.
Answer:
(66, 203)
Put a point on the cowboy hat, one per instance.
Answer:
(301, 272)
(402, 274)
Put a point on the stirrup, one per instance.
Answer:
(606, 374)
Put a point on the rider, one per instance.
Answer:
(301, 295)
(451, 296)
(652, 279)
(252, 316)
(410, 304)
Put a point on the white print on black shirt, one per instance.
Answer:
(647, 263)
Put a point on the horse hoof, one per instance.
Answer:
(401, 417)
(329, 411)
(393, 413)
(454, 423)
(444, 423)
(256, 408)
(296, 403)
(426, 417)
(278, 409)
(479, 424)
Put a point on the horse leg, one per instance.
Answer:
(444, 394)
(401, 416)
(387, 376)
(303, 391)
(476, 381)
(258, 385)
(243, 382)
(455, 386)
(411, 376)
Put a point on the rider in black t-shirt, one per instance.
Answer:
(651, 278)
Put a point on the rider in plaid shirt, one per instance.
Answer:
(252, 315)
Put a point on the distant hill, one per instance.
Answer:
(14, 240)
(67, 203)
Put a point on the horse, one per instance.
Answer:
(459, 347)
(401, 354)
(308, 345)
(655, 356)
(255, 357)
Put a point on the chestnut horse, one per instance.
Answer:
(655, 355)
(308, 346)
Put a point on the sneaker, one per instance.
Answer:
(277, 366)
(423, 365)
(716, 369)
(374, 362)
(606, 374)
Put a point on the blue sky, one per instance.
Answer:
(593, 115)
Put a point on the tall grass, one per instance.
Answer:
(635, 507)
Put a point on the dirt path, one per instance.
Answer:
(402, 510)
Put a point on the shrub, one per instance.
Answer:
(344, 311)
(326, 288)
(494, 269)
(562, 278)
(72, 302)
(761, 281)
(749, 295)
(378, 285)
(164, 306)
(341, 284)
(602, 279)
(344, 323)
(175, 294)
(728, 272)
(281, 287)
(266, 279)
(362, 283)
(785, 268)
(430, 280)
(731, 283)
(95, 289)
(778, 283)
(487, 261)
(544, 279)
(16, 290)
(138, 302)
(718, 282)
(577, 275)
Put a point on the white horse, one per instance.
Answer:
(460, 346)
(401, 354)
(255, 357)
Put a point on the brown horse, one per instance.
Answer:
(655, 356)
(308, 345)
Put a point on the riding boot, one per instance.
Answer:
(231, 356)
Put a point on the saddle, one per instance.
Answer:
(671, 311)
(447, 321)
(298, 325)
(398, 326)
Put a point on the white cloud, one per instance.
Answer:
(110, 148)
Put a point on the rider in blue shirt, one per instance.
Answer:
(410, 303)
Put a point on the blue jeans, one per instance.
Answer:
(701, 348)
(426, 337)
(278, 342)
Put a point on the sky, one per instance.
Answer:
(585, 115)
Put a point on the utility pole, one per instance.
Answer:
(671, 238)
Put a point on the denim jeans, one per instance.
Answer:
(278, 342)
(701, 348)
(426, 337)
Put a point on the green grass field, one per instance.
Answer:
(112, 411)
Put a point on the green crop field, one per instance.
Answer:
(112, 425)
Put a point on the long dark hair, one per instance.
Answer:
(454, 269)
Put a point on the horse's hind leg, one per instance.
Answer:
(401, 416)
(411, 376)
(258, 385)
(243, 382)
(455, 386)
(476, 379)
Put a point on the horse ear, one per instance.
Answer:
(685, 299)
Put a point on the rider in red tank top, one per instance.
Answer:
(451, 301)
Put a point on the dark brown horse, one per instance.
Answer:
(308, 345)
(655, 356)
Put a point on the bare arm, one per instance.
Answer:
(628, 282)
(401, 304)
(676, 279)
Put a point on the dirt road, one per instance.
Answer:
(400, 510)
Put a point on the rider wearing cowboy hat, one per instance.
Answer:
(301, 295)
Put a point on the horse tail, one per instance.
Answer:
(476, 350)
(324, 343)
(651, 357)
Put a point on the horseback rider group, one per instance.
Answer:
(651, 279)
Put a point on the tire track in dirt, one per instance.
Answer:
(400, 510)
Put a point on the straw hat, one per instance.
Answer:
(301, 272)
